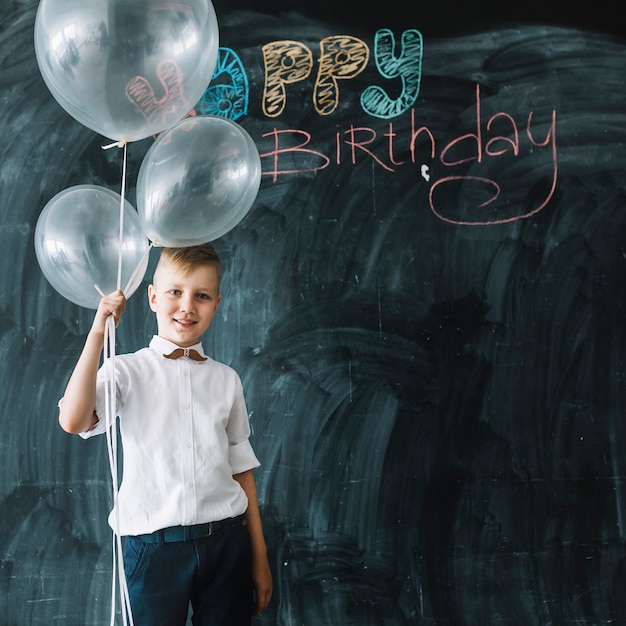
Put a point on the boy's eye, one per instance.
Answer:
(174, 292)
(203, 296)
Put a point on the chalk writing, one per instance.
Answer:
(228, 94)
(354, 143)
(342, 58)
(140, 92)
(489, 150)
(285, 62)
(407, 67)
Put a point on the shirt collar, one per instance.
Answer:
(163, 346)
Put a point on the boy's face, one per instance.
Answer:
(184, 304)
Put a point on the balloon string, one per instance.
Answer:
(120, 144)
(133, 276)
(111, 433)
(122, 202)
(111, 413)
(116, 144)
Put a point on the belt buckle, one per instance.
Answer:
(210, 529)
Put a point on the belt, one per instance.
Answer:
(189, 533)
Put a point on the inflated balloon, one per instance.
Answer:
(78, 244)
(197, 181)
(127, 69)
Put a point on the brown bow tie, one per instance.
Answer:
(192, 354)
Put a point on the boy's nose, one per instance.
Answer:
(187, 304)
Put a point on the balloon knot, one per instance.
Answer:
(116, 144)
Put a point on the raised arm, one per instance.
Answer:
(77, 411)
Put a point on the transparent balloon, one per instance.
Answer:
(197, 181)
(127, 69)
(78, 244)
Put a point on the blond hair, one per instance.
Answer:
(188, 258)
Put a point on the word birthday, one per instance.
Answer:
(293, 147)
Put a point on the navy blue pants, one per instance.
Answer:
(213, 573)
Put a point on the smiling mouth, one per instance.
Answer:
(184, 322)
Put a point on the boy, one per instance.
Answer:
(187, 502)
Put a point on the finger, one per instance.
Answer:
(262, 602)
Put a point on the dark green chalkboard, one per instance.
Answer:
(426, 308)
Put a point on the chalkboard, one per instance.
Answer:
(425, 303)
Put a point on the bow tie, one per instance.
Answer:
(192, 354)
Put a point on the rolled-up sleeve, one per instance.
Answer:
(242, 458)
(98, 428)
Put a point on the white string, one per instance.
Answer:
(110, 365)
(133, 276)
(111, 435)
(115, 144)
(99, 290)
(111, 423)
(122, 201)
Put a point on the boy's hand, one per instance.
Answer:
(113, 304)
(263, 586)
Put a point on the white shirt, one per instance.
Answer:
(184, 430)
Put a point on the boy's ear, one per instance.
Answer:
(152, 297)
